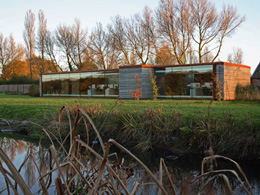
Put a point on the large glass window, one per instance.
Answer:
(98, 84)
(178, 80)
(160, 80)
(111, 83)
(46, 84)
(185, 81)
(85, 83)
(74, 84)
(55, 84)
(203, 81)
(64, 84)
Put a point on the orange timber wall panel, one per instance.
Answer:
(232, 76)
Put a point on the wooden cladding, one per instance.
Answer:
(232, 76)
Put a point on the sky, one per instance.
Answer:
(12, 14)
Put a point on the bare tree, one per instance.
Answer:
(4, 53)
(89, 62)
(72, 42)
(49, 48)
(103, 47)
(118, 32)
(65, 43)
(151, 35)
(9, 51)
(140, 34)
(29, 37)
(211, 27)
(41, 36)
(236, 57)
(80, 44)
(174, 25)
(42, 32)
(164, 55)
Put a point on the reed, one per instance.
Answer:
(85, 171)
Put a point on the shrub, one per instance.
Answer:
(137, 94)
(19, 80)
(248, 92)
(219, 88)
(34, 91)
(154, 85)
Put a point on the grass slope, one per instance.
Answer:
(232, 127)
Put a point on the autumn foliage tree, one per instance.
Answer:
(15, 68)
(11, 56)
(9, 50)
(37, 63)
(137, 93)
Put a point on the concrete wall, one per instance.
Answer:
(127, 82)
(147, 90)
(18, 88)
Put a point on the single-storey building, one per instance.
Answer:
(188, 81)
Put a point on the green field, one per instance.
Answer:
(20, 107)
(233, 126)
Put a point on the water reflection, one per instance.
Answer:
(183, 170)
(12, 147)
(27, 159)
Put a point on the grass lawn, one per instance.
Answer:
(29, 108)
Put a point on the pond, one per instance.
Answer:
(183, 168)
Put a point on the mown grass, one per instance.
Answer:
(30, 108)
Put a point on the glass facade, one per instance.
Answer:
(185, 81)
(89, 84)
(174, 82)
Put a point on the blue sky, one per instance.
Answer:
(12, 13)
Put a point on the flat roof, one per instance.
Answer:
(199, 64)
(80, 71)
(150, 66)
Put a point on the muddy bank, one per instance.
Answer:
(13, 126)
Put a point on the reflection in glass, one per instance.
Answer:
(85, 84)
(111, 83)
(185, 81)
(177, 81)
(74, 84)
(160, 80)
(98, 84)
(64, 84)
(203, 80)
(55, 84)
(46, 84)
